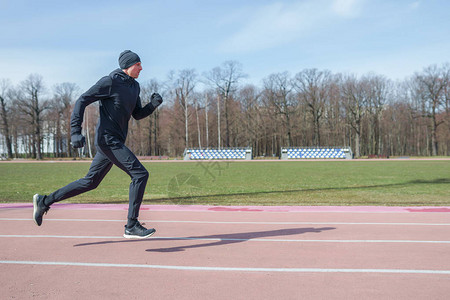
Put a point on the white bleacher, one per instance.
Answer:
(225, 153)
(316, 153)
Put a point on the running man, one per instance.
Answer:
(119, 99)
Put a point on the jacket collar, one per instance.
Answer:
(122, 75)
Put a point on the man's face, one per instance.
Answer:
(134, 70)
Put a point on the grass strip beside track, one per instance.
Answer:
(396, 183)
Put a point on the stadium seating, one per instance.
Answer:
(225, 153)
(316, 153)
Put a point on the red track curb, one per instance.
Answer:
(350, 209)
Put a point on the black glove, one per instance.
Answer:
(156, 100)
(77, 140)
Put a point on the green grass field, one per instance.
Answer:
(408, 182)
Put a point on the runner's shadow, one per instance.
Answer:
(215, 240)
(225, 239)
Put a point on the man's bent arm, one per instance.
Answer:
(100, 90)
(140, 112)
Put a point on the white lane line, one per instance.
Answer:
(60, 236)
(224, 269)
(237, 222)
(225, 239)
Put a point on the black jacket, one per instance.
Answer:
(119, 99)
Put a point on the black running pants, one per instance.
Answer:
(123, 158)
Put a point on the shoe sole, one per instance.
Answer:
(35, 198)
(129, 236)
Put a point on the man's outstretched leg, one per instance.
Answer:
(99, 168)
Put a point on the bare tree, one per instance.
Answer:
(447, 106)
(197, 105)
(152, 136)
(313, 87)
(225, 79)
(334, 133)
(354, 96)
(31, 104)
(184, 87)
(378, 92)
(249, 97)
(278, 90)
(64, 97)
(431, 85)
(4, 112)
(207, 96)
(413, 94)
(219, 125)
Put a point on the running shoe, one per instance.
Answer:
(138, 232)
(39, 209)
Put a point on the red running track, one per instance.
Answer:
(204, 252)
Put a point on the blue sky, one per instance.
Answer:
(79, 41)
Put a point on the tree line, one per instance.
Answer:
(372, 114)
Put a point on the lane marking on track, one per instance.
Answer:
(225, 269)
(237, 222)
(225, 239)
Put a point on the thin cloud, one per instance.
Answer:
(280, 23)
(274, 25)
(415, 5)
(347, 8)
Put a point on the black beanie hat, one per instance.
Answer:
(128, 58)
